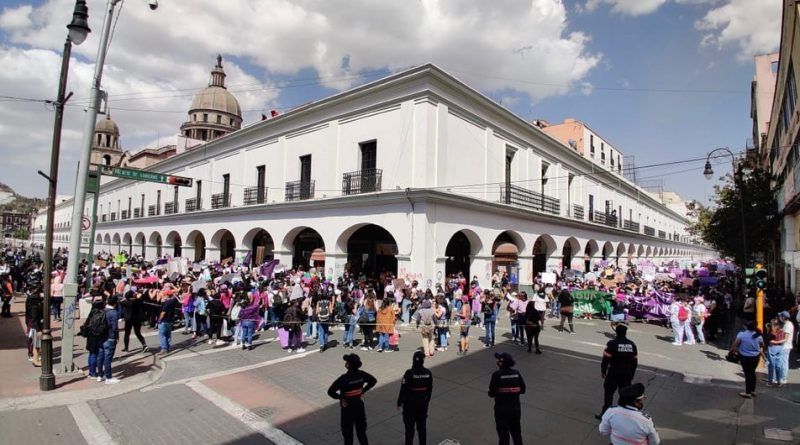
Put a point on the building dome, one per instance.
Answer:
(214, 112)
(107, 126)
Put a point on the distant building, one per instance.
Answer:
(215, 112)
(762, 90)
(12, 222)
(582, 139)
(106, 149)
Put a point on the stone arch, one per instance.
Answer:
(589, 252)
(649, 252)
(116, 242)
(631, 250)
(640, 250)
(621, 250)
(608, 250)
(127, 242)
(307, 246)
(459, 251)
(155, 241)
(225, 243)
(505, 254)
(543, 248)
(342, 240)
(141, 243)
(254, 240)
(371, 249)
(174, 242)
(97, 240)
(196, 241)
(570, 251)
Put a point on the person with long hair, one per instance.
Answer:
(749, 345)
(367, 319)
(533, 323)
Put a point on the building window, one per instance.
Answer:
(305, 169)
(602, 153)
(219, 119)
(591, 207)
(205, 117)
(194, 118)
(591, 144)
(369, 155)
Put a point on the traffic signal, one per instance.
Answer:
(179, 180)
(761, 277)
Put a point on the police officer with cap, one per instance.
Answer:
(348, 389)
(618, 367)
(415, 394)
(505, 388)
(626, 424)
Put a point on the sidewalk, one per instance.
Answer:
(20, 382)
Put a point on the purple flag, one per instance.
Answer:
(267, 268)
(248, 258)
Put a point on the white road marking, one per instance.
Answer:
(277, 436)
(90, 426)
(231, 371)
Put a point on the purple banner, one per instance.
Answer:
(652, 307)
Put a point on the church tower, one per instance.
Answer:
(106, 149)
(215, 112)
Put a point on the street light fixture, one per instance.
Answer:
(708, 172)
(78, 30)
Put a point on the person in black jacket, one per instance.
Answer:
(505, 388)
(415, 394)
(349, 388)
(618, 367)
(34, 320)
(94, 342)
(134, 315)
(533, 325)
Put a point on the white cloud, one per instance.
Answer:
(172, 49)
(634, 7)
(751, 25)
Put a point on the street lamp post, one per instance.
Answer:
(708, 172)
(78, 30)
(79, 199)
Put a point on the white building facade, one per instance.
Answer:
(416, 173)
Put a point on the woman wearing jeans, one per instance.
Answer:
(749, 345)
(350, 323)
(247, 320)
(777, 373)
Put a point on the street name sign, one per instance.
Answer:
(142, 175)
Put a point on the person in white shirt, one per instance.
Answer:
(677, 326)
(788, 328)
(699, 314)
(626, 424)
(540, 304)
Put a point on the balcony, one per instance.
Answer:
(518, 196)
(298, 190)
(255, 195)
(630, 225)
(662, 234)
(577, 211)
(153, 210)
(220, 200)
(606, 219)
(170, 208)
(137, 213)
(362, 181)
(113, 216)
(126, 214)
(649, 231)
(193, 204)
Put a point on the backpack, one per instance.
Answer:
(427, 326)
(277, 300)
(683, 313)
(96, 325)
(324, 313)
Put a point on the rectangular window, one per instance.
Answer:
(602, 153)
(305, 169)
(261, 176)
(219, 119)
(205, 117)
(545, 168)
(175, 199)
(158, 202)
(226, 184)
(591, 144)
(591, 207)
(369, 155)
(141, 212)
(198, 193)
(129, 206)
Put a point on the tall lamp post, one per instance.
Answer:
(79, 200)
(78, 30)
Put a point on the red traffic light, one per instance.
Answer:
(179, 180)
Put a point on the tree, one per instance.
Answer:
(720, 226)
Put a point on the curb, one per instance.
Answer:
(50, 400)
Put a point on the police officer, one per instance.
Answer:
(618, 366)
(415, 394)
(626, 424)
(348, 389)
(505, 388)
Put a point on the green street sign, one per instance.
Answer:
(142, 175)
(93, 182)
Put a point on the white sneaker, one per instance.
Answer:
(221, 342)
(99, 379)
(675, 343)
(211, 342)
(112, 381)
(301, 349)
(289, 351)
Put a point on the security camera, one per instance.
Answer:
(153, 4)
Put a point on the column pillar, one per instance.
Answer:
(151, 252)
(481, 266)
(284, 257)
(188, 252)
(439, 272)
(239, 254)
(555, 263)
(525, 270)
(334, 265)
(212, 254)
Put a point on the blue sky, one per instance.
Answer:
(612, 54)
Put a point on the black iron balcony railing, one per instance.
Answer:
(362, 181)
(606, 219)
(577, 211)
(126, 214)
(153, 210)
(255, 195)
(630, 225)
(297, 190)
(113, 216)
(514, 195)
(137, 213)
(662, 234)
(193, 204)
(170, 208)
(649, 231)
(220, 201)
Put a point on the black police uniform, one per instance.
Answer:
(618, 366)
(349, 388)
(505, 387)
(415, 394)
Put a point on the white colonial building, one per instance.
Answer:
(416, 172)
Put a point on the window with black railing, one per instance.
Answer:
(515, 195)
(193, 204)
(125, 214)
(137, 213)
(153, 210)
(297, 190)
(113, 216)
(630, 225)
(577, 211)
(220, 200)
(362, 181)
(649, 231)
(662, 234)
(255, 195)
(607, 219)
(170, 208)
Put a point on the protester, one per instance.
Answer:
(565, 302)
(95, 329)
(533, 323)
(776, 367)
(626, 424)
(133, 314)
(166, 318)
(425, 323)
(749, 346)
(109, 346)
(505, 388)
(349, 389)
(416, 389)
(788, 329)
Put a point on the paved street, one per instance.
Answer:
(223, 395)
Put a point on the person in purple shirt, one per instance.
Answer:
(247, 317)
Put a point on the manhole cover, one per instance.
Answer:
(778, 434)
(264, 412)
